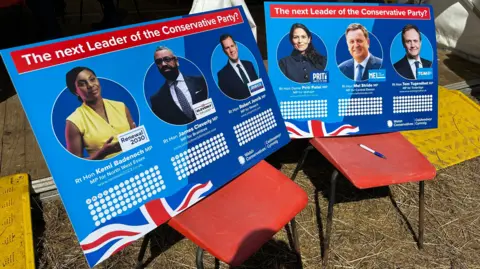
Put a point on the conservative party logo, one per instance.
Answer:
(319, 77)
(256, 86)
(377, 75)
(204, 108)
(241, 160)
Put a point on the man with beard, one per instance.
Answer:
(412, 42)
(174, 100)
(236, 74)
(362, 60)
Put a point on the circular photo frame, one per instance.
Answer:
(167, 107)
(227, 76)
(290, 67)
(398, 55)
(345, 61)
(93, 130)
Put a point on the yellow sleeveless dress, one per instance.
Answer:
(95, 130)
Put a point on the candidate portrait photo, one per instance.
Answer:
(300, 53)
(411, 51)
(364, 53)
(91, 112)
(233, 67)
(173, 85)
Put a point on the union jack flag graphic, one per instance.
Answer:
(316, 128)
(121, 231)
(186, 197)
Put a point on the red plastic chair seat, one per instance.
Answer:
(235, 221)
(404, 162)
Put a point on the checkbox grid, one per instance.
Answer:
(360, 106)
(128, 193)
(409, 104)
(308, 109)
(254, 127)
(190, 161)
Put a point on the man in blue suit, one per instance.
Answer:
(412, 42)
(358, 44)
(236, 74)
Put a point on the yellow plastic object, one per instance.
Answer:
(457, 137)
(16, 242)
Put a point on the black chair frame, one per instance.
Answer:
(331, 202)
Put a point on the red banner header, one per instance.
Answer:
(35, 58)
(364, 12)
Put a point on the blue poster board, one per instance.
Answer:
(133, 125)
(351, 69)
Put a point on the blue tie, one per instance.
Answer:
(358, 76)
(417, 65)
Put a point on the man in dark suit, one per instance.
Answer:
(174, 100)
(236, 74)
(358, 44)
(412, 42)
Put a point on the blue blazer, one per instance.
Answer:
(403, 67)
(348, 66)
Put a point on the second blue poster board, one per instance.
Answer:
(350, 69)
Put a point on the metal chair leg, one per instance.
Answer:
(331, 202)
(421, 212)
(143, 249)
(199, 258)
(296, 241)
(300, 163)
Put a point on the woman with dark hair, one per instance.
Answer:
(95, 124)
(304, 59)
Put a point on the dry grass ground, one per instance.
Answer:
(374, 228)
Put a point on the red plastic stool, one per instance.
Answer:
(236, 220)
(403, 163)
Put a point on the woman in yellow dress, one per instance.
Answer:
(95, 124)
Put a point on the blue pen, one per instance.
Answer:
(372, 151)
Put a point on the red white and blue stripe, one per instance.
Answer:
(316, 128)
(186, 197)
(121, 231)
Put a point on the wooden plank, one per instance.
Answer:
(13, 149)
(43, 185)
(463, 84)
(34, 162)
(3, 114)
(49, 195)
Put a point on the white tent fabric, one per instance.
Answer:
(458, 26)
(457, 23)
(207, 5)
